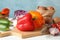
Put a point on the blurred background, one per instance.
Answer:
(29, 5)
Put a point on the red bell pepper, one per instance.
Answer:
(25, 23)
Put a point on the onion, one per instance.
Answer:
(54, 31)
(19, 12)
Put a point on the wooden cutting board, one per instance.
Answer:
(23, 34)
(3, 34)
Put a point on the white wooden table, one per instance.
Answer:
(44, 37)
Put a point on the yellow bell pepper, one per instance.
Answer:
(38, 19)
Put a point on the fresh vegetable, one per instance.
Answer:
(5, 11)
(54, 31)
(18, 13)
(47, 13)
(25, 23)
(4, 24)
(4, 21)
(38, 19)
(4, 27)
(56, 25)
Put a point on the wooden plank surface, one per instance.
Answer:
(23, 34)
(3, 34)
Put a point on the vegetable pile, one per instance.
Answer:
(35, 19)
(32, 20)
(4, 22)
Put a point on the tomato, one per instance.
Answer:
(5, 11)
